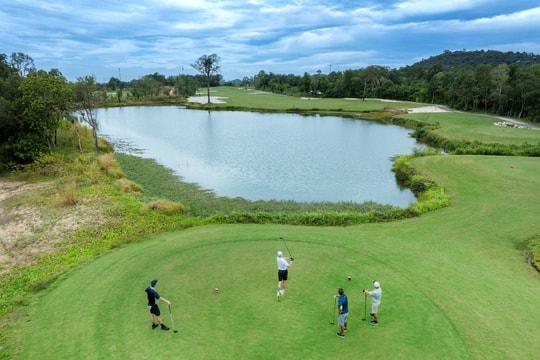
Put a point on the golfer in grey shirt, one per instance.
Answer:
(376, 297)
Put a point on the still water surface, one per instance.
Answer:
(268, 156)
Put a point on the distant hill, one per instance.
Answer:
(449, 59)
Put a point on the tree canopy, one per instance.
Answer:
(33, 103)
(207, 65)
(31, 109)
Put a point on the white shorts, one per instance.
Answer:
(375, 307)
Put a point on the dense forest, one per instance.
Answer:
(505, 84)
(35, 103)
(450, 59)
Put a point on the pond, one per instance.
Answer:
(260, 156)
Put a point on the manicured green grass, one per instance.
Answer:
(249, 98)
(455, 286)
(476, 127)
(456, 283)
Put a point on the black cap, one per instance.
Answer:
(153, 282)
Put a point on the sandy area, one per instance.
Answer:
(204, 99)
(505, 122)
(428, 109)
(26, 230)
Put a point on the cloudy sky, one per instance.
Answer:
(129, 39)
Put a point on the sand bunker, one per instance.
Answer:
(204, 99)
(428, 109)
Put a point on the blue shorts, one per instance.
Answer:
(342, 319)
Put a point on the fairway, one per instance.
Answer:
(253, 99)
(476, 127)
(454, 285)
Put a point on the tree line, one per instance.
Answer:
(504, 89)
(156, 85)
(35, 103)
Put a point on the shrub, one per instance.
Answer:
(116, 173)
(418, 184)
(107, 161)
(69, 196)
(431, 200)
(533, 248)
(108, 165)
(94, 173)
(403, 170)
(419, 133)
(105, 146)
(128, 186)
(430, 196)
(46, 164)
(167, 207)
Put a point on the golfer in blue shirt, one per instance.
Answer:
(343, 308)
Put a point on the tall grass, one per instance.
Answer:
(160, 183)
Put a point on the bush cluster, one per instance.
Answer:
(424, 134)
(430, 196)
(167, 207)
(323, 218)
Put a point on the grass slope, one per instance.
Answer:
(476, 127)
(455, 287)
(252, 99)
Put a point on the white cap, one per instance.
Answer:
(279, 253)
(376, 284)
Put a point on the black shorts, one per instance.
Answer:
(154, 309)
(282, 275)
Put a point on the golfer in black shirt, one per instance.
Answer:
(153, 298)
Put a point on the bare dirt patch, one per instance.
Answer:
(27, 229)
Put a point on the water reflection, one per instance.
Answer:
(268, 156)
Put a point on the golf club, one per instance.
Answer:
(334, 312)
(172, 321)
(365, 307)
(290, 255)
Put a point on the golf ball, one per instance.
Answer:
(216, 290)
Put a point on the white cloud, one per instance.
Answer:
(416, 7)
(145, 36)
(520, 19)
(188, 4)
